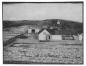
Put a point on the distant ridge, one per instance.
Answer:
(64, 24)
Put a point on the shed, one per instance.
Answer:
(33, 30)
(81, 37)
(76, 37)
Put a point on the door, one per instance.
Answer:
(48, 37)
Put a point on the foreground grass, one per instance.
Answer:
(44, 53)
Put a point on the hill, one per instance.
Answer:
(65, 25)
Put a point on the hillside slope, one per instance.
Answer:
(66, 25)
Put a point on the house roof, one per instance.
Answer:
(57, 32)
(49, 30)
(40, 31)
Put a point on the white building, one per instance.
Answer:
(48, 35)
(56, 37)
(29, 30)
(43, 35)
(81, 37)
(37, 30)
(76, 37)
(33, 29)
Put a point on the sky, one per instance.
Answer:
(42, 11)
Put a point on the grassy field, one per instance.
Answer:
(44, 52)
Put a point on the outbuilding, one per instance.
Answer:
(81, 37)
(56, 37)
(43, 35)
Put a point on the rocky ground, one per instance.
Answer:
(45, 53)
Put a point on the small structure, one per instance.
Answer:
(76, 37)
(33, 29)
(81, 37)
(67, 37)
(37, 30)
(29, 30)
(58, 22)
(43, 35)
(56, 37)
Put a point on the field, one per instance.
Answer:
(44, 52)
(31, 51)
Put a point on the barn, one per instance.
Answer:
(48, 35)
(43, 35)
(54, 35)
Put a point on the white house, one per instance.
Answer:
(81, 37)
(76, 37)
(37, 30)
(49, 35)
(43, 35)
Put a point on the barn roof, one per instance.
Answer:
(40, 31)
(49, 30)
(57, 32)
